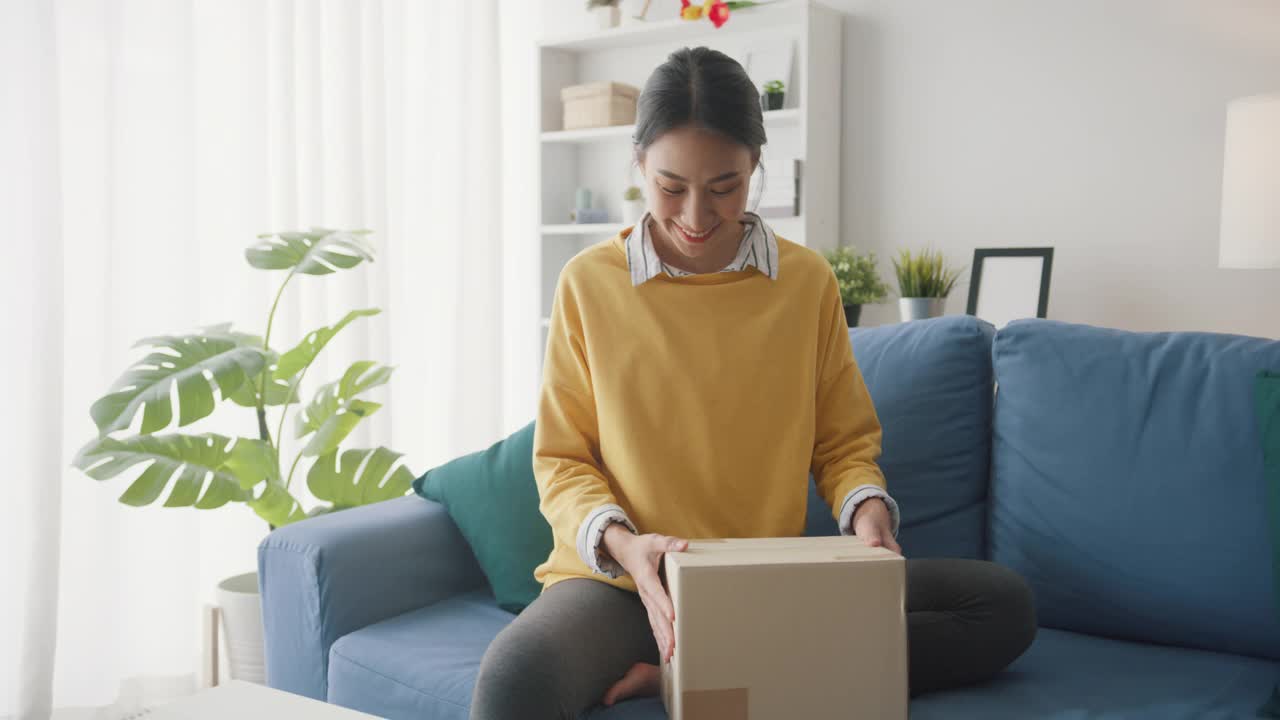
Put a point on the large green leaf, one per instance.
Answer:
(318, 252)
(232, 465)
(335, 410)
(278, 391)
(345, 489)
(338, 426)
(277, 506)
(186, 360)
(307, 350)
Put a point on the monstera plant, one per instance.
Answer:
(210, 470)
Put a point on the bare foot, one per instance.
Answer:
(642, 680)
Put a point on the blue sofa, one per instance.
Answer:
(1119, 473)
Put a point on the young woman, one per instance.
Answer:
(698, 369)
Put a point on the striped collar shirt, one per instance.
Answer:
(758, 249)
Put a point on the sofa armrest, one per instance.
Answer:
(327, 576)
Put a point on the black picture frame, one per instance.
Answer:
(1046, 272)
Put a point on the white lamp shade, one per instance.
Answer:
(1250, 233)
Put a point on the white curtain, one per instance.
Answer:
(143, 145)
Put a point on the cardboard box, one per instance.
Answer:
(599, 104)
(772, 628)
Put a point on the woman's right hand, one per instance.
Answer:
(641, 557)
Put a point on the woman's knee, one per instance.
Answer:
(1011, 608)
(518, 677)
(971, 619)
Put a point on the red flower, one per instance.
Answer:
(717, 13)
(684, 4)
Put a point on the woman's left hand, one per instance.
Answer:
(872, 523)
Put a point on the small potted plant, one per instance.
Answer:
(606, 11)
(632, 205)
(774, 93)
(633, 11)
(859, 281)
(924, 280)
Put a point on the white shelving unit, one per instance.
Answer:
(600, 159)
(772, 119)
(584, 229)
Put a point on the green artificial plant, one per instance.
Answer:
(925, 275)
(773, 87)
(858, 276)
(210, 470)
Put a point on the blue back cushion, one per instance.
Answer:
(930, 381)
(1127, 483)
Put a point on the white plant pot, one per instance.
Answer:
(241, 608)
(607, 16)
(921, 308)
(631, 211)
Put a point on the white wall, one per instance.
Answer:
(1093, 126)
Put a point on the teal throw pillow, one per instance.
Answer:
(1267, 395)
(492, 498)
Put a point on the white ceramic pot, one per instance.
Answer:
(631, 211)
(921, 308)
(607, 16)
(241, 607)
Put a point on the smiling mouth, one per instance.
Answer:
(696, 237)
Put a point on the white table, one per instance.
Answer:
(247, 701)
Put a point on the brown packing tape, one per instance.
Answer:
(726, 704)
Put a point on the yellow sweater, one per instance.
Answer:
(698, 404)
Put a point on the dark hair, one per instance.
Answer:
(705, 88)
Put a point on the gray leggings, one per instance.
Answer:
(966, 621)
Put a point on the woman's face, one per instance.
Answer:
(696, 182)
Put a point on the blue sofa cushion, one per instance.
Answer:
(329, 575)
(423, 664)
(1127, 483)
(930, 381)
(1070, 676)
